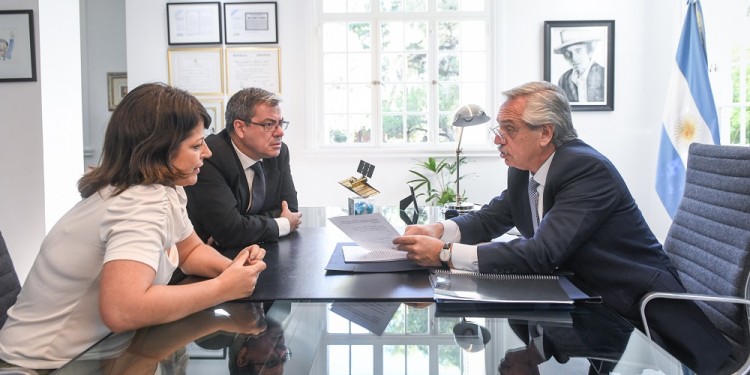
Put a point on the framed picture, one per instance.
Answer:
(579, 56)
(17, 51)
(197, 70)
(249, 23)
(117, 87)
(196, 352)
(194, 23)
(215, 109)
(253, 67)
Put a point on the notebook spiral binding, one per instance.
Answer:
(496, 276)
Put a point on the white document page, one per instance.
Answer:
(374, 236)
(373, 317)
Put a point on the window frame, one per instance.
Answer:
(474, 139)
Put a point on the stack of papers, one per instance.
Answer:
(374, 237)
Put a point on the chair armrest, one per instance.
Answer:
(694, 297)
(685, 296)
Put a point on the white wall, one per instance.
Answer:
(103, 45)
(41, 154)
(629, 135)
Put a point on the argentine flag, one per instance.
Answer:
(689, 114)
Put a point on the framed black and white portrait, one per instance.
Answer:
(579, 56)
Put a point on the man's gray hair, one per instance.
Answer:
(546, 103)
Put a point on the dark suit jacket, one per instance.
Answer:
(592, 227)
(594, 84)
(217, 203)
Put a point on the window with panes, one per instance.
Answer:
(393, 72)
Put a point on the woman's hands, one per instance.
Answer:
(241, 277)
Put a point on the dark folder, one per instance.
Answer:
(337, 263)
(512, 290)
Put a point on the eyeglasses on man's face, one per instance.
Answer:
(270, 125)
(497, 133)
(507, 132)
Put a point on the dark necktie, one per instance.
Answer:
(259, 188)
(534, 201)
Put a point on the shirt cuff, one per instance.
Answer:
(463, 257)
(284, 226)
(451, 233)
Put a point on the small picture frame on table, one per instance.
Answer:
(579, 56)
(250, 23)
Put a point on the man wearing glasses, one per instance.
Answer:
(245, 193)
(575, 214)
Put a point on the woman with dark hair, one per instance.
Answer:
(105, 264)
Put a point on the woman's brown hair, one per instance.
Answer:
(142, 138)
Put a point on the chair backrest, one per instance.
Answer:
(709, 240)
(9, 285)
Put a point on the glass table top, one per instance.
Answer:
(360, 338)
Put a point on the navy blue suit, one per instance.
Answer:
(593, 227)
(217, 203)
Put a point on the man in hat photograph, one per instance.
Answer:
(584, 81)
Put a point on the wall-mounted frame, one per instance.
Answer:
(194, 23)
(582, 52)
(253, 67)
(197, 70)
(117, 87)
(215, 109)
(250, 23)
(17, 51)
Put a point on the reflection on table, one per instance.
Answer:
(382, 338)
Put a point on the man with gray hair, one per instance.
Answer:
(245, 193)
(575, 214)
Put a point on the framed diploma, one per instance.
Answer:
(194, 23)
(253, 67)
(215, 109)
(197, 70)
(249, 23)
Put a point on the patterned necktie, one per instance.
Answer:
(534, 201)
(259, 188)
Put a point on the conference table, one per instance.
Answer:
(305, 319)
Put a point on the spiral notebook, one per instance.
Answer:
(511, 289)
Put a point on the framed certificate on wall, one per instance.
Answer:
(249, 23)
(253, 67)
(197, 70)
(194, 23)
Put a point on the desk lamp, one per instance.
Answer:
(468, 115)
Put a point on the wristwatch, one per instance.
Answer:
(445, 254)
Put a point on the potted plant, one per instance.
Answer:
(437, 179)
